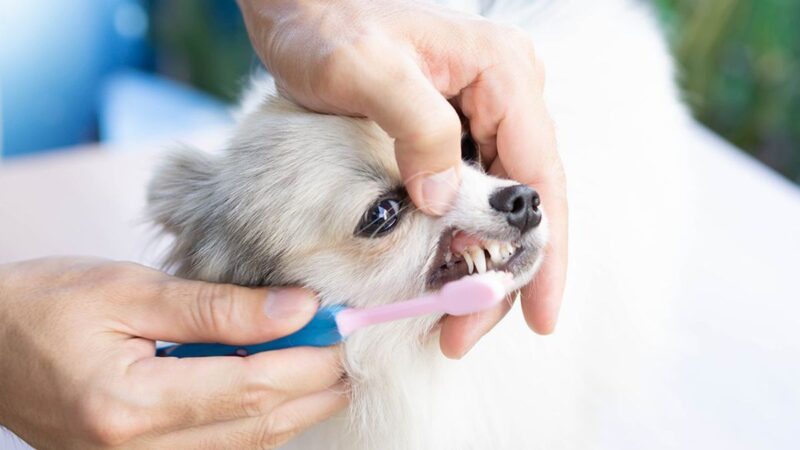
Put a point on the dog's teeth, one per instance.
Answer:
(508, 249)
(448, 257)
(468, 260)
(479, 258)
(494, 251)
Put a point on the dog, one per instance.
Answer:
(299, 198)
(289, 169)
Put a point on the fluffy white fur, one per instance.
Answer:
(279, 206)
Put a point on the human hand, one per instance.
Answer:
(410, 67)
(78, 367)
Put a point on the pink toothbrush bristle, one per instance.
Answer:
(464, 296)
(474, 293)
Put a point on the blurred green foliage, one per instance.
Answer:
(738, 61)
(202, 42)
(739, 66)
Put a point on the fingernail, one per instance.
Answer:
(439, 191)
(288, 302)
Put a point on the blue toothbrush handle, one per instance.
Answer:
(320, 332)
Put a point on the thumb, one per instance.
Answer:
(426, 129)
(195, 311)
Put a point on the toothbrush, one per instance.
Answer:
(331, 324)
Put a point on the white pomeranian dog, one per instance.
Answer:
(299, 198)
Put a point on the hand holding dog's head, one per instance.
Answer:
(317, 200)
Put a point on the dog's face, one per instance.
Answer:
(317, 200)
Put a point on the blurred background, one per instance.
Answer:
(739, 66)
(83, 71)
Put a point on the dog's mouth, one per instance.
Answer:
(460, 253)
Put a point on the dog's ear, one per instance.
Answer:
(186, 198)
(181, 185)
(180, 198)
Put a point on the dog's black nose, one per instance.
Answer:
(520, 205)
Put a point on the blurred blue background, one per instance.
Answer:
(80, 71)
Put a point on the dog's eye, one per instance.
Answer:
(469, 149)
(380, 218)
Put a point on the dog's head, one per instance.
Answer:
(317, 200)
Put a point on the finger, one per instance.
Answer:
(509, 109)
(458, 334)
(486, 101)
(193, 311)
(302, 413)
(484, 105)
(530, 144)
(182, 393)
(426, 129)
(541, 299)
(267, 431)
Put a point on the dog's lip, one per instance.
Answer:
(457, 240)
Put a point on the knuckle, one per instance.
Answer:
(516, 42)
(485, 118)
(266, 438)
(269, 442)
(257, 402)
(344, 61)
(433, 126)
(105, 421)
(215, 307)
(334, 65)
(274, 430)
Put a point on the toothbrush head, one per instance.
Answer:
(460, 297)
(474, 293)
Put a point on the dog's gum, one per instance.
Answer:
(463, 240)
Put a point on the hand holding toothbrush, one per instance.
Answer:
(77, 343)
(331, 324)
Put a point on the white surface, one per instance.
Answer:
(87, 201)
(731, 361)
